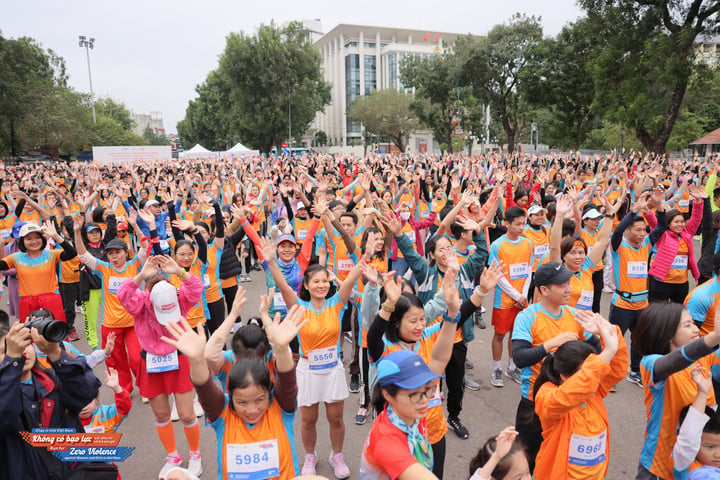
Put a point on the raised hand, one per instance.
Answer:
(150, 268)
(146, 216)
(240, 300)
(320, 207)
(238, 213)
(132, 217)
(280, 334)
(112, 380)
(369, 272)
(452, 261)
(78, 222)
(391, 222)
(504, 442)
(491, 276)
(268, 249)
(185, 339)
(109, 344)
(169, 265)
(184, 225)
(468, 223)
(265, 303)
(392, 287)
(703, 381)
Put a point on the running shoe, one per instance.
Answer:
(471, 384)
(469, 365)
(173, 460)
(309, 466)
(479, 322)
(339, 466)
(354, 383)
(634, 377)
(514, 374)
(457, 426)
(72, 335)
(497, 378)
(361, 416)
(613, 389)
(195, 463)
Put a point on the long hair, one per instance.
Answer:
(656, 328)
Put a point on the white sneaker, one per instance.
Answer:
(199, 412)
(145, 399)
(174, 413)
(173, 460)
(195, 463)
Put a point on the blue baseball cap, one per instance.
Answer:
(705, 473)
(286, 238)
(92, 226)
(404, 369)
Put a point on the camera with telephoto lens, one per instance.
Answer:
(44, 321)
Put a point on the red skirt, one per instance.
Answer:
(176, 381)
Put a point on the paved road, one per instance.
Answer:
(485, 413)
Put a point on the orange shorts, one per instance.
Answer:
(504, 319)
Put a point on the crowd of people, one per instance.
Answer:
(396, 253)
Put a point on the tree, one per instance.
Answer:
(436, 101)
(116, 110)
(207, 120)
(558, 77)
(320, 138)
(644, 59)
(493, 67)
(386, 113)
(272, 75)
(151, 137)
(25, 76)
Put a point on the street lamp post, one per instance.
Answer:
(289, 121)
(88, 44)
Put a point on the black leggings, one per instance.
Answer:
(659, 291)
(439, 458)
(598, 284)
(365, 376)
(454, 379)
(529, 429)
(627, 320)
(229, 294)
(217, 315)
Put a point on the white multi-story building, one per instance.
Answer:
(358, 59)
(707, 51)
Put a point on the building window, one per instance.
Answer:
(369, 45)
(351, 44)
(393, 67)
(370, 74)
(352, 86)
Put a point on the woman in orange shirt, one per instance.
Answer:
(569, 395)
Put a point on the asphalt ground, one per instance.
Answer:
(485, 413)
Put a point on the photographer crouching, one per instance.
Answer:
(34, 397)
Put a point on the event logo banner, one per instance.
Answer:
(70, 446)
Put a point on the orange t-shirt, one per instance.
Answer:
(36, 275)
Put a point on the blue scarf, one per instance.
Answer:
(292, 273)
(417, 442)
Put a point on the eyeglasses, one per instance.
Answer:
(417, 397)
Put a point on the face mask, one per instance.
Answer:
(404, 215)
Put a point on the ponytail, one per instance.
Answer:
(566, 360)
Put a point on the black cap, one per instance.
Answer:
(117, 244)
(552, 273)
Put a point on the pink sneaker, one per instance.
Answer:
(173, 460)
(340, 468)
(309, 466)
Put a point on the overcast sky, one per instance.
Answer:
(151, 54)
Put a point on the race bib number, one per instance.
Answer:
(519, 270)
(680, 262)
(279, 301)
(345, 265)
(586, 300)
(98, 429)
(114, 284)
(587, 451)
(164, 245)
(301, 235)
(7, 233)
(411, 236)
(425, 214)
(637, 269)
(162, 363)
(206, 280)
(684, 203)
(435, 400)
(253, 461)
(323, 358)
(541, 250)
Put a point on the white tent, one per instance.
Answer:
(198, 151)
(239, 147)
(239, 151)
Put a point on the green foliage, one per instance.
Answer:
(558, 77)
(436, 101)
(266, 76)
(151, 137)
(207, 119)
(320, 138)
(643, 61)
(386, 113)
(494, 66)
